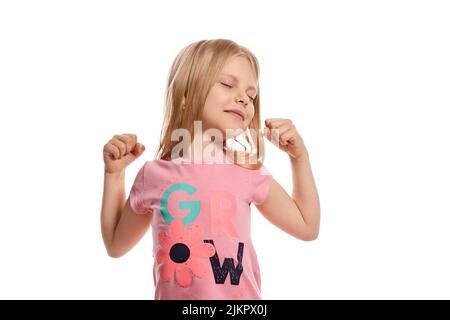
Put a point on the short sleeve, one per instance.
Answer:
(137, 194)
(260, 184)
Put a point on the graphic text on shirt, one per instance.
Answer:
(183, 252)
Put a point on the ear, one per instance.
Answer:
(183, 101)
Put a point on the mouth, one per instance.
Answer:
(236, 113)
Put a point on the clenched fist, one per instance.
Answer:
(120, 151)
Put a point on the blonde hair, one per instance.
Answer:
(192, 74)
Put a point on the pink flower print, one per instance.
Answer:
(183, 253)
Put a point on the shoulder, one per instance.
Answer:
(158, 167)
(155, 163)
(260, 172)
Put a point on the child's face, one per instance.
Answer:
(229, 93)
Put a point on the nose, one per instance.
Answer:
(239, 99)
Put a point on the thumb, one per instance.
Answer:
(138, 150)
(134, 154)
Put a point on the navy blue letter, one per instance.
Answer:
(221, 272)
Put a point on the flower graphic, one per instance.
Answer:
(183, 253)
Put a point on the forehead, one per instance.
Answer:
(240, 69)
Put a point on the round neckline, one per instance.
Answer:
(183, 160)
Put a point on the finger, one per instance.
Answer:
(287, 136)
(128, 142)
(112, 150)
(133, 155)
(131, 140)
(278, 135)
(273, 135)
(267, 133)
(285, 126)
(277, 123)
(273, 122)
(138, 150)
(132, 136)
(119, 144)
(281, 124)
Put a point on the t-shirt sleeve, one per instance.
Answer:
(260, 185)
(139, 200)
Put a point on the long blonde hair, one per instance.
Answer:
(192, 74)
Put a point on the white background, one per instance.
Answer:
(367, 84)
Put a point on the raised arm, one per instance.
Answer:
(121, 228)
(298, 215)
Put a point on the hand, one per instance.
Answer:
(288, 139)
(120, 151)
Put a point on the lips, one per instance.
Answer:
(236, 112)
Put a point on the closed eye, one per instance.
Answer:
(229, 86)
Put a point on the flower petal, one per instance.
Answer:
(194, 234)
(167, 271)
(161, 256)
(183, 275)
(204, 250)
(198, 267)
(163, 239)
(176, 230)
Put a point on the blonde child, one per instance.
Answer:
(200, 211)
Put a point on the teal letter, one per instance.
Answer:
(192, 206)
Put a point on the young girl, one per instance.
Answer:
(200, 212)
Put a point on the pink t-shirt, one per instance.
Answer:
(201, 227)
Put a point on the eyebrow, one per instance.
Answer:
(237, 79)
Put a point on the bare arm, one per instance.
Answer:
(298, 215)
(121, 227)
(305, 194)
